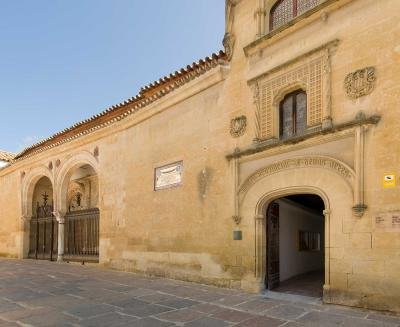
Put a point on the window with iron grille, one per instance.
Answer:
(293, 114)
(285, 10)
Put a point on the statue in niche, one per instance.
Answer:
(76, 197)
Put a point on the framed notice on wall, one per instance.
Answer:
(168, 176)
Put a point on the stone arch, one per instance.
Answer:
(29, 182)
(65, 172)
(289, 88)
(342, 170)
(334, 190)
(28, 186)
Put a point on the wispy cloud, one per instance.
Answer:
(27, 141)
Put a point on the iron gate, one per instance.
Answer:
(43, 234)
(82, 235)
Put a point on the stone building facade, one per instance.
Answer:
(188, 179)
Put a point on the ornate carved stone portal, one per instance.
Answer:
(360, 83)
(238, 126)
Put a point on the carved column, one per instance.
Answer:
(229, 38)
(257, 116)
(359, 205)
(61, 232)
(25, 227)
(235, 175)
(327, 246)
(260, 18)
(327, 100)
(260, 246)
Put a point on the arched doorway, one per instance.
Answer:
(43, 225)
(295, 245)
(80, 201)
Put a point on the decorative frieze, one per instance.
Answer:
(301, 162)
(360, 83)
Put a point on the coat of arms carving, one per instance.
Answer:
(360, 83)
(238, 126)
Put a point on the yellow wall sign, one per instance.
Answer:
(389, 180)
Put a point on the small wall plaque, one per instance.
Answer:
(168, 176)
(237, 235)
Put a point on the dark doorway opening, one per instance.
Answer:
(295, 245)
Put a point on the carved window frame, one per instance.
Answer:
(295, 113)
(297, 73)
(295, 8)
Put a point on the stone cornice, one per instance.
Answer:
(261, 146)
(331, 44)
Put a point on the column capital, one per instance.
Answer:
(259, 217)
(326, 212)
(59, 216)
(25, 218)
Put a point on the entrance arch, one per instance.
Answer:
(43, 227)
(78, 203)
(29, 182)
(331, 182)
(295, 238)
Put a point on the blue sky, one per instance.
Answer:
(64, 60)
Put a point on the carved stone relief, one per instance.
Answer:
(229, 39)
(238, 126)
(315, 161)
(228, 42)
(310, 72)
(360, 83)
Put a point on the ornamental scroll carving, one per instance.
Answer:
(299, 162)
(360, 83)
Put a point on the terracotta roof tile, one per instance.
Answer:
(6, 156)
(147, 95)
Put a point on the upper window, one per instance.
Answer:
(293, 114)
(285, 10)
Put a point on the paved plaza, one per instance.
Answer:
(42, 293)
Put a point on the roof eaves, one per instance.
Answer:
(147, 95)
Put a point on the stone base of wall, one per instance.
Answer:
(130, 266)
(8, 255)
(379, 302)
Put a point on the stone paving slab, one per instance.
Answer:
(42, 293)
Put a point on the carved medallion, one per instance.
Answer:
(238, 126)
(360, 83)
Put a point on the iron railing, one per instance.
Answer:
(82, 235)
(43, 238)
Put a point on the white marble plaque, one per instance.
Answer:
(168, 176)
